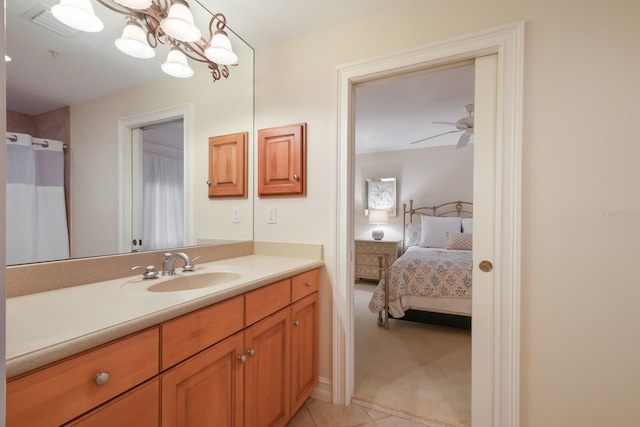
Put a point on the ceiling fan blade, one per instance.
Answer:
(464, 140)
(445, 123)
(435, 136)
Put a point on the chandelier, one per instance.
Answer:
(154, 22)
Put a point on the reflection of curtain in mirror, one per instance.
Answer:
(36, 216)
(163, 205)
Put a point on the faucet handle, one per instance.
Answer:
(189, 265)
(150, 271)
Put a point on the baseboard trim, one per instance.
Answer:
(323, 390)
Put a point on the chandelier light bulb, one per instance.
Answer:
(176, 65)
(135, 4)
(179, 23)
(77, 14)
(134, 41)
(219, 50)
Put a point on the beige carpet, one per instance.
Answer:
(417, 369)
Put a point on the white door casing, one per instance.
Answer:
(500, 406)
(126, 127)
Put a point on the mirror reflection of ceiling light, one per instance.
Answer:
(154, 22)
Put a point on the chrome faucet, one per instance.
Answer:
(169, 263)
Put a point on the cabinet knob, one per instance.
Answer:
(309, 284)
(296, 323)
(251, 352)
(101, 378)
(242, 358)
(296, 177)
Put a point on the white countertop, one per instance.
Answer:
(48, 326)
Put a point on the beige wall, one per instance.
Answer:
(581, 208)
(429, 176)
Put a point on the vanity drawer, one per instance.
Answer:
(304, 284)
(196, 331)
(68, 389)
(267, 300)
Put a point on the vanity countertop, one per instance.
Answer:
(48, 326)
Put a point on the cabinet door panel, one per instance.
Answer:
(207, 389)
(267, 371)
(304, 350)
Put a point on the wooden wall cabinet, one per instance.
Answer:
(228, 165)
(229, 364)
(282, 160)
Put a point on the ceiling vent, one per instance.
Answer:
(41, 14)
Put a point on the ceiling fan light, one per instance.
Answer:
(134, 42)
(176, 65)
(135, 4)
(77, 14)
(179, 23)
(219, 50)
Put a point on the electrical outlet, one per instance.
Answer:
(271, 215)
(235, 213)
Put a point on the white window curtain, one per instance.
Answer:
(163, 202)
(36, 215)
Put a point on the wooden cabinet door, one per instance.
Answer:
(139, 407)
(282, 160)
(206, 390)
(267, 344)
(304, 350)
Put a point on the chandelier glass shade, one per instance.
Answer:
(151, 23)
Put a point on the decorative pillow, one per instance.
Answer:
(459, 241)
(434, 230)
(467, 225)
(413, 234)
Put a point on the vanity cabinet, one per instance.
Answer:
(251, 360)
(60, 392)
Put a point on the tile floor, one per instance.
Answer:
(316, 413)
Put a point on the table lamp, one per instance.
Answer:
(378, 217)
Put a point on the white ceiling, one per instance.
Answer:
(389, 115)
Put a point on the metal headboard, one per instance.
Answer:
(452, 209)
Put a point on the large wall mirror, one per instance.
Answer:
(111, 110)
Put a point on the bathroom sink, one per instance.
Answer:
(196, 281)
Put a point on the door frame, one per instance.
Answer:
(507, 41)
(126, 125)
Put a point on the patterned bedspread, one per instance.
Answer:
(427, 272)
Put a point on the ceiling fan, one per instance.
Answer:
(464, 125)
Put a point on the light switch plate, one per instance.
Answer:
(235, 214)
(271, 215)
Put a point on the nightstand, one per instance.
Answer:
(367, 252)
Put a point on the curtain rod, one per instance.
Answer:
(14, 138)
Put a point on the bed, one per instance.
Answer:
(434, 272)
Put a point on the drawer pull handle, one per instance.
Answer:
(296, 323)
(101, 378)
(242, 358)
(309, 284)
(251, 352)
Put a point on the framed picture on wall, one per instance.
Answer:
(380, 194)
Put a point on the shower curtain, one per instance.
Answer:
(36, 216)
(163, 202)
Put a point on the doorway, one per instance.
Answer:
(495, 392)
(420, 369)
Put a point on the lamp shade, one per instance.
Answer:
(77, 14)
(219, 50)
(134, 42)
(135, 4)
(378, 217)
(176, 65)
(179, 23)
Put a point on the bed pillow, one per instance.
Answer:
(467, 225)
(459, 241)
(434, 230)
(413, 234)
